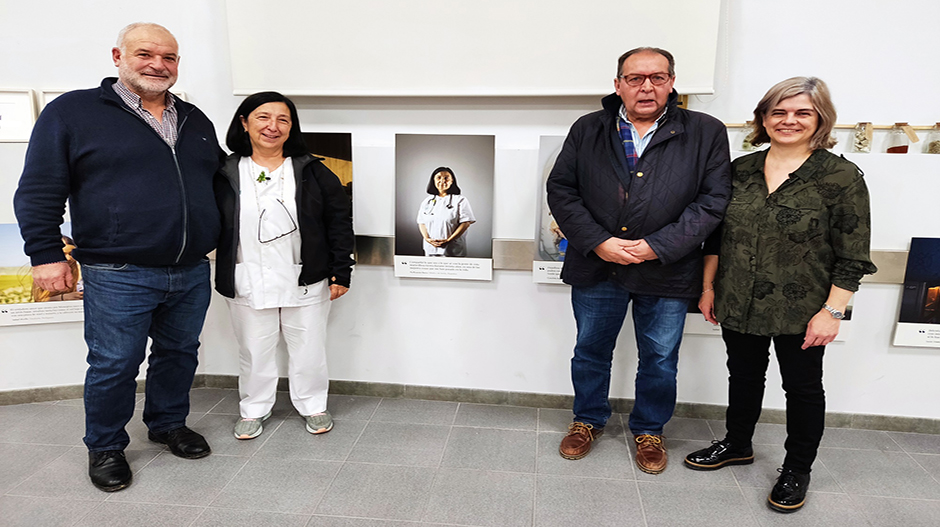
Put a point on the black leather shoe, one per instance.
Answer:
(789, 494)
(109, 470)
(721, 453)
(183, 442)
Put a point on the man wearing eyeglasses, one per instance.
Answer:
(636, 189)
(136, 165)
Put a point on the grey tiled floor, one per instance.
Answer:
(401, 462)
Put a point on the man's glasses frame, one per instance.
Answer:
(637, 79)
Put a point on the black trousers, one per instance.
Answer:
(801, 370)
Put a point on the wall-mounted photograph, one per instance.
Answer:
(919, 317)
(550, 242)
(22, 301)
(17, 115)
(444, 206)
(336, 150)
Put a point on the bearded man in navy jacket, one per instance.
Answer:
(636, 189)
(135, 164)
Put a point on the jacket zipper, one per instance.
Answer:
(179, 174)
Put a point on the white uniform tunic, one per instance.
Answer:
(266, 274)
(441, 216)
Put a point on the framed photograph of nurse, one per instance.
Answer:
(444, 206)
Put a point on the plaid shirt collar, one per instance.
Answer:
(633, 144)
(134, 101)
(166, 128)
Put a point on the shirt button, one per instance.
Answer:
(624, 229)
(639, 174)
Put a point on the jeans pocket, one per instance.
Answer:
(106, 266)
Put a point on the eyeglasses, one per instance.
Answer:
(636, 79)
(275, 220)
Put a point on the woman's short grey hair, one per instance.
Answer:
(819, 95)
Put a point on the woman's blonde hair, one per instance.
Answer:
(819, 95)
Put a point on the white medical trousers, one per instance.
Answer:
(258, 332)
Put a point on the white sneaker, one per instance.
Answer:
(249, 428)
(319, 423)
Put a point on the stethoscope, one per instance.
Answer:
(430, 207)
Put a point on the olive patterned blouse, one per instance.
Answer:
(780, 253)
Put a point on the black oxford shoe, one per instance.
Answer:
(183, 442)
(109, 470)
(789, 494)
(721, 453)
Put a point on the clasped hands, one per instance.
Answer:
(625, 252)
(437, 243)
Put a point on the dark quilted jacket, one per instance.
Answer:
(674, 199)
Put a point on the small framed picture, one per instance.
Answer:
(17, 115)
(47, 96)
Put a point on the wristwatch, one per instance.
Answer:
(836, 314)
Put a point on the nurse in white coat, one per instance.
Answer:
(283, 257)
(444, 216)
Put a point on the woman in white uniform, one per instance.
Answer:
(283, 256)
(444, 216)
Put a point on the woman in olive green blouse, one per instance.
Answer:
(791, 251)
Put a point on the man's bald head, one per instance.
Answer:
(150, 26)
(147, 58)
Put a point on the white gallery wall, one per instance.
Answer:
(511, 334)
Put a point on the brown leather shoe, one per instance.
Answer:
(650, 453)
(577, 443)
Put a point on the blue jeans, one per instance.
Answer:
(599, 311)
(125, 304)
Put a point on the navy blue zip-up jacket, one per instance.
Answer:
(674, 198)
(132, 198)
